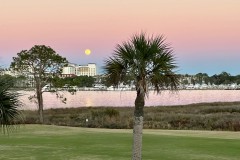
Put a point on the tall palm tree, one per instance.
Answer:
(151, 62)
(9, 105)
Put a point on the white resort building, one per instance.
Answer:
(69, 71)
(79, 70)
(89, 70)
(9, 71)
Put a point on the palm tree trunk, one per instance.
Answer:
(138, 126)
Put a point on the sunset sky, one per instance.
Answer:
(205, 34)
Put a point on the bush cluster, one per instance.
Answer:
(214, 116)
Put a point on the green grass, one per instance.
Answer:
(38, 142)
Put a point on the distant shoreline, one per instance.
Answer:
(100, 90)
(185, 105)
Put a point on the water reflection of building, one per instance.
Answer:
(88, 102)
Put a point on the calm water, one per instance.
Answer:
(126, 98)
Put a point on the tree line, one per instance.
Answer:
(88, 81)
(217, 79)
(79, 81)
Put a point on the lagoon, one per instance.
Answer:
(126, 98)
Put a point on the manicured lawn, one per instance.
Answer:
(38, 142)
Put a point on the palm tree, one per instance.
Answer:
(151, 62)
(9, 104)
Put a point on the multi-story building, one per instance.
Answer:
(89, 70)
(24, 79)
(9, 71)
(79, 70)
(69, 71)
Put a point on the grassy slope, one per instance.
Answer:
(54, 143)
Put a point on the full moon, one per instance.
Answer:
(87, 51)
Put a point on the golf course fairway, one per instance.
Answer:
(43, 142)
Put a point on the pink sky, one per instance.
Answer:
(205, 34)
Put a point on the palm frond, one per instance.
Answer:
(9, 106)
(116, 71)
(149, 59)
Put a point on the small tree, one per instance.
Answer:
(151, 62)
(41, 62)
